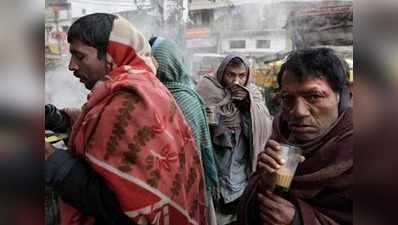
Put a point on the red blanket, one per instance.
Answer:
(132, 133)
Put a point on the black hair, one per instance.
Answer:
(319, 62)
(93, 30)
(346, 69)
(316, 62)
(236, 62)
(152, 40)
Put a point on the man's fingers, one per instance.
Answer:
(266, 160)
(274, 209)
(275, 197)
(237, 87)
(239, 94)
(268, 208)
(265, 167)
(267, 203)
(301, 158)
(261, 206)
(238, 90)
(234, 90)
(269, 153)
(271, 217)
(265, 218)
(275, 155)
(274, 145)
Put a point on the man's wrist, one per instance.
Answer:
(296, 218)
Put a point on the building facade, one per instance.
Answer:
(58, 19)
(84, 7)
(263, 31)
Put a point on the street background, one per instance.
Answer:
(263, 31)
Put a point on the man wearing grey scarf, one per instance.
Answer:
(241, 129)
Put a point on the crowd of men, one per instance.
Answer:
(150, 148)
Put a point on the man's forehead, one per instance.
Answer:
(79, 46)
(292, 83)
(75, 45)
(236, 68)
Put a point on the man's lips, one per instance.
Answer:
(81, 79)
(302, 128)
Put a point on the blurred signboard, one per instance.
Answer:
(59, 4)
(201, 42)
(198, 32)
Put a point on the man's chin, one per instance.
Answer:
(88, 86)
(305, 137)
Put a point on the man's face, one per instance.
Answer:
(235, 75)
(85, 64)
(310, 104)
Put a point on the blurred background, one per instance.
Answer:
(21, 111)
(263, 31)
(375, 91)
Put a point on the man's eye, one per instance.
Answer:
(313, 97)
(78, 56)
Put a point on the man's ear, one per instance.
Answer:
(108, 63)
(108, 67)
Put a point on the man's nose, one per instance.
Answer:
(72, 66)
(300, 109)
(236, 80)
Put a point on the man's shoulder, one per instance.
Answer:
(206, 81)
(123, 94)
(255, 92)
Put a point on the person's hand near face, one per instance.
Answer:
(239, 93)
(235, 79)
(270, 159)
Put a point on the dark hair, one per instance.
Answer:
(152, 40)
(93, 30)
(236, 62)
(316, 62)
(320, 62)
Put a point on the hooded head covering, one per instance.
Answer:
(173, 74)
(215, 94)
(171, 68)
(128, 47)
(224, 65)
(134, 136)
